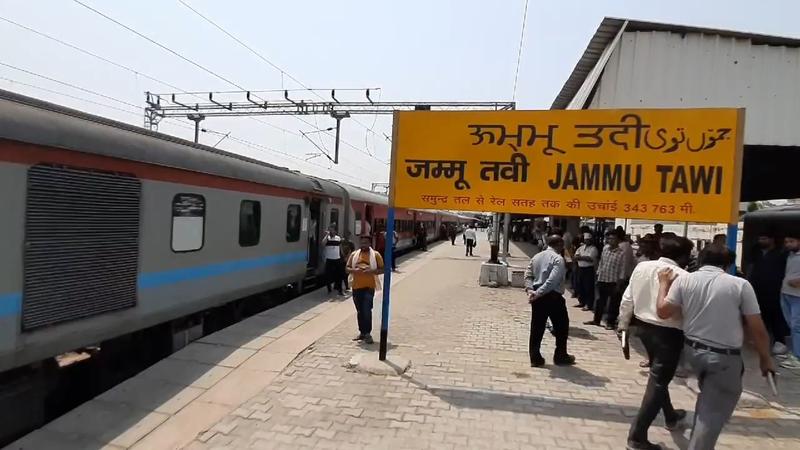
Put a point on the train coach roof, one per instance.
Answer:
(30, 120)
(363, 195)
(774, 212)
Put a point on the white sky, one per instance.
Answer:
(414, 50)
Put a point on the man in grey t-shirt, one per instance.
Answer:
(715, 306)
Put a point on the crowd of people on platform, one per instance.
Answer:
(530, 232)
(682, 307)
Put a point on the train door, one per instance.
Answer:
(314, 232)
(368, 219)
(333, 220)
(357, 226)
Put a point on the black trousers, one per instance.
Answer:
(453, 239)
(422, 242)
(470, 246)
(550, 306)
(664, 345)
(333, 274)
(585, 287)
(608, 294)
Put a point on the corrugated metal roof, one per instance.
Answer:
(605, 33)
(583, 94)
(658, 69)
(610, 26)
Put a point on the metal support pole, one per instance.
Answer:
(387, 284)
(494, 239)
(733, 238)
(196, 118)
(336, 149)
(338, 116)
(506, 226)
(685, 229)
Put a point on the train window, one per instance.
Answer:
(249, 223)
(358, 223)
(293, 219)
(334, 222)
(188, 222)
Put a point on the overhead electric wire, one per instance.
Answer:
(259, 55)
(519, 52)
(129, 69)
(82, 89)
(158, 44)
(265, 147)
(86, 52)
(138, 114)
(279, 69)
(255, 52)
(105, 105)
(192, 62)
(174, 122)
(88, 91)
(118, 65)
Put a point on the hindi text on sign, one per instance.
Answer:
(585, 162)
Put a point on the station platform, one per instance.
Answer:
(281, 380)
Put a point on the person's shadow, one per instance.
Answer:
(576, 375)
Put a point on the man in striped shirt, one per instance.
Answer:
(610, 277)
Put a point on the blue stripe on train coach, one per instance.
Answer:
(11, 304)
(157, 279)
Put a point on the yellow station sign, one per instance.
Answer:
(662, 164)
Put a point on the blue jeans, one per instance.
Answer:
(791, 311)
(363, 301)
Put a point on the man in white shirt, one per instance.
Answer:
(712, 304)
(471, 239)
(662, 338)
(333, 260)
(586, 256)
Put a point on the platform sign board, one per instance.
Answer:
(660, 164)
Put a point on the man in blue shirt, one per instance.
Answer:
(544, 284)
